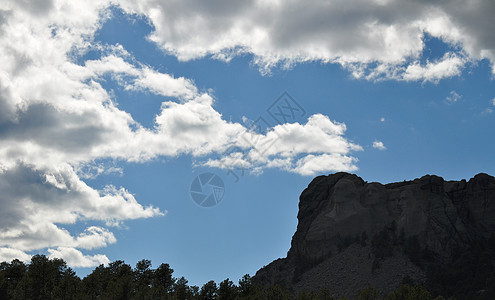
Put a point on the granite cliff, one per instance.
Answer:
(342, 219)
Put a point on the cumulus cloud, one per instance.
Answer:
(76, 258)
(94, 237)
(311, 164)
(379, 145)
(9, 254)
(450, 65)
(307, 149)
(33, 201)
(55, 119)
(373, 39)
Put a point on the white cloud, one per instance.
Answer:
(76, 258)
(55, 119)
(142, 77)
(449, 66)
(33, 202)
(94, 237)
(379, 145)
(453, 97)
(318, 135)
(373, 39)
(312, 164)
(382, 119)
(307, 149)
(9, 254)
(493, 101)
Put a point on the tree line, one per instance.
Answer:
(44, 278)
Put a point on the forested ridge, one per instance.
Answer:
(45, 278)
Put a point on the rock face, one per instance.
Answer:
(444, 216)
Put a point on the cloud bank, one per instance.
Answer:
(373, 39)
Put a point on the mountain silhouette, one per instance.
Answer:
(352, 234)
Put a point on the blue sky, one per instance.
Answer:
(108, 116)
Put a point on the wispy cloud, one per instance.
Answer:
(487, 111)
(453, 97)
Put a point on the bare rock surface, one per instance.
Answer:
(444, 216)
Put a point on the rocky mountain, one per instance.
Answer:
(352, 234)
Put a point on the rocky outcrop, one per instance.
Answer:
(444, 216)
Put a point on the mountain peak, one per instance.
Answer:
(442, 216)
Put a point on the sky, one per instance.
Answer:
(184, 131)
